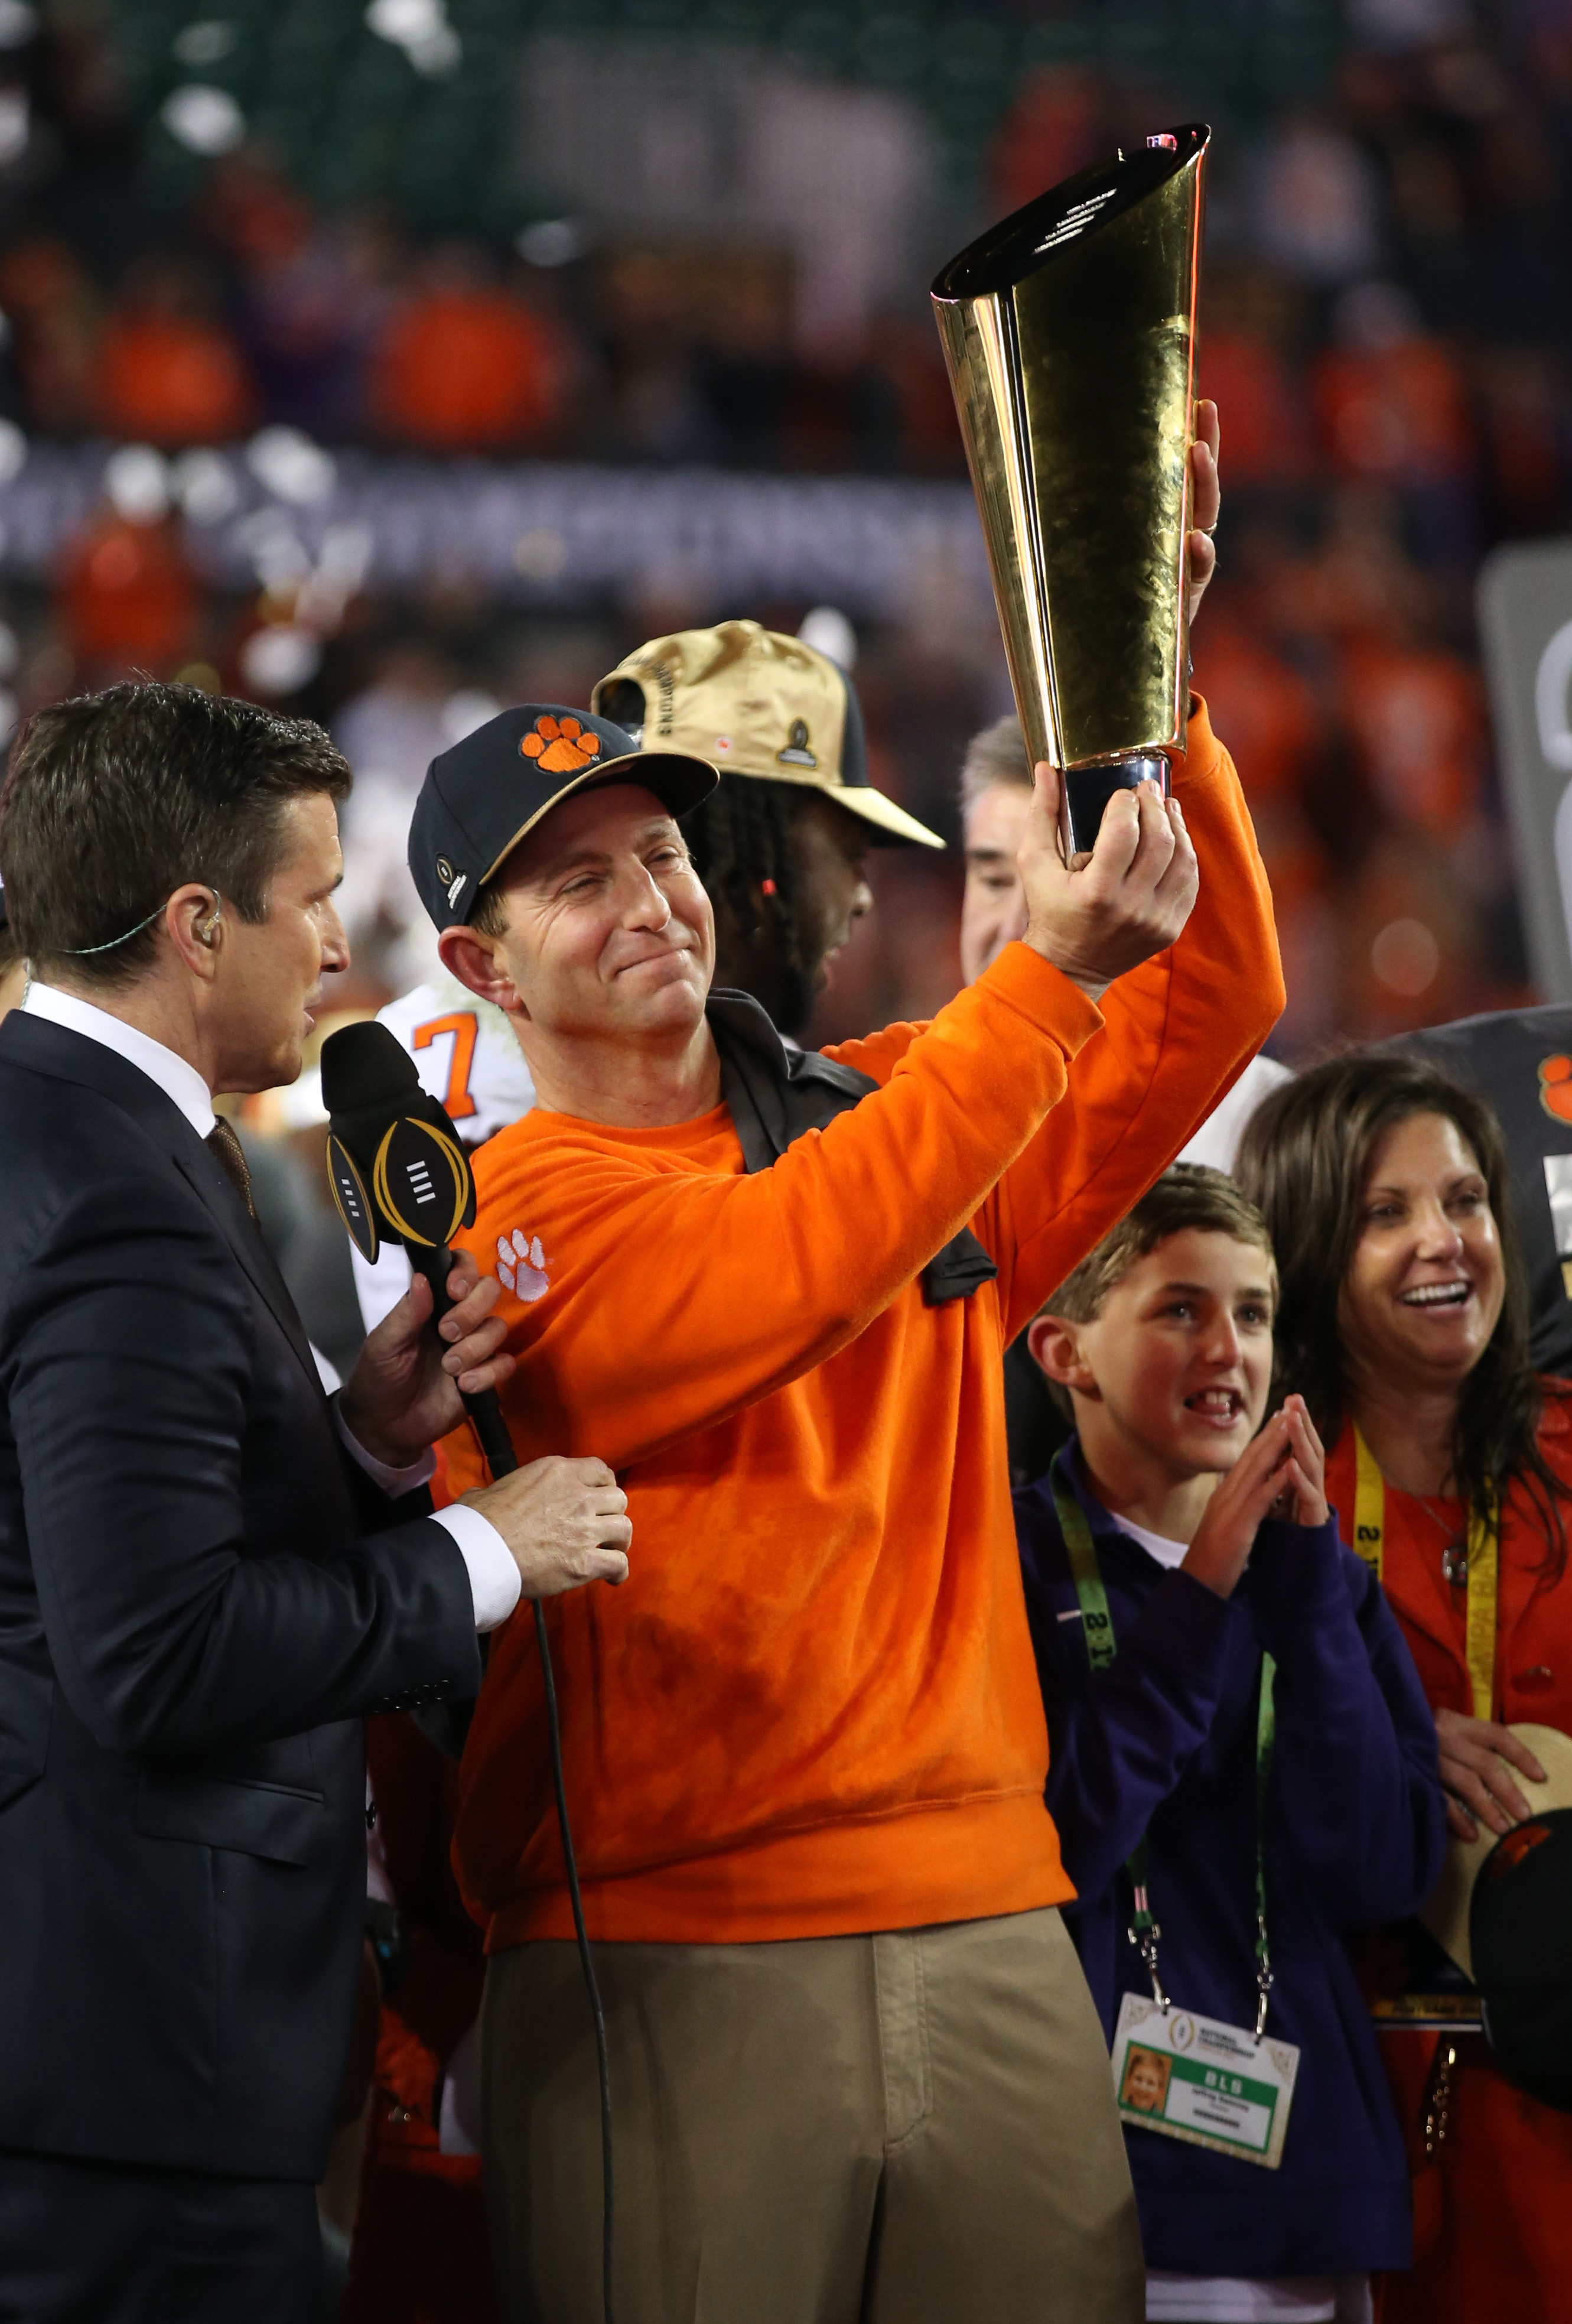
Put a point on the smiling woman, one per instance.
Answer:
(1403, 1310)
(1402, 1322)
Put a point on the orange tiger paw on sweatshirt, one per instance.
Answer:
(812, 1710)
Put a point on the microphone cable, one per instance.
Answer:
(498, 1447)
(486, 1413)
(603, 2052)
(391, 1151)
(492, 1429)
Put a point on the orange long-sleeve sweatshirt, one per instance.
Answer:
(813, 1709)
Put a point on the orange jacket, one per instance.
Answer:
(1491, 2208)
(813, 1709)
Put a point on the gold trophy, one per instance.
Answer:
(1070, 335)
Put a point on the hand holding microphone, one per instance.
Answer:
(407, 1388)
(399, 1174)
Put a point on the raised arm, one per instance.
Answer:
(1177, 1033)
(673, 1295)
(170, 1635)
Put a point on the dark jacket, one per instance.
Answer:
(201, 1594)
(1165, 1741)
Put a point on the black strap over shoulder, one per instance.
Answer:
(776, 1093)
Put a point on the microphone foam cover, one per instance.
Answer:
(366, 1065)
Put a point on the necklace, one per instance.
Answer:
(1455, 1553)
(1482, 1558)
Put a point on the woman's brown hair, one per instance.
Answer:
(1303, 1161)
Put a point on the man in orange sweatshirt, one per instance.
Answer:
(856, 2071)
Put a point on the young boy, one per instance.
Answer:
(1243, 1768)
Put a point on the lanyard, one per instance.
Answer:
(1479, 1575)
(1097, 1625)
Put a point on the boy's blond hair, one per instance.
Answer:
(1188, 1196)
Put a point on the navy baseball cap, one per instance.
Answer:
(481, 798)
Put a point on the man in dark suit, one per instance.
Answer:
(209, 1571)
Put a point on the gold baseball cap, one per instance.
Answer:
(754, 702)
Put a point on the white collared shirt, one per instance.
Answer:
(494, 1582)
(180, 1081)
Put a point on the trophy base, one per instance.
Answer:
(1087, 791)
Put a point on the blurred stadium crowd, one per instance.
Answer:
(686, 236)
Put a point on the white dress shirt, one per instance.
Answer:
(493, 1578)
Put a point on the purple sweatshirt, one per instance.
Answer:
(1163, 1742)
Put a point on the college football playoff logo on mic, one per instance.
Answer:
(422, 1182)
(1069, 330)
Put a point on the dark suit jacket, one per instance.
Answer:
(200, 1596)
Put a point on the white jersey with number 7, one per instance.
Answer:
(467, 1058)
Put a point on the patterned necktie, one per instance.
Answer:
(230, 1155)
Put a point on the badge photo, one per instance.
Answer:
(1195, 2078)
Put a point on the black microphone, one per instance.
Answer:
(399, 1174)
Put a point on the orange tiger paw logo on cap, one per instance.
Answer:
(1556, 1087)
(560, 746)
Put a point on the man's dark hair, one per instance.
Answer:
(740, 838)
(114, 800)
(1304, 1159)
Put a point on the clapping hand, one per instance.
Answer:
(1280, 1474)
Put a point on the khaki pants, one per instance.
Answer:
(901, 2129)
